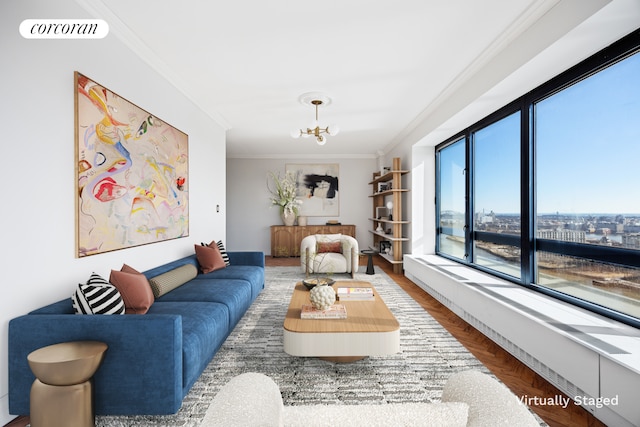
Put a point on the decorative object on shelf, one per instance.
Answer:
(390, 207)
(380, 229)
(284, 195)
(313, 282)
(382, 212)
(317, 185)
(385, 246)
(302, 221)
(315, 99)
(132, 173)
(322, 297)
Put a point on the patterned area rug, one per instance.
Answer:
(429, 355)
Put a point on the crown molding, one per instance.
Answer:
(541, 25)
(301, 156)
(98, 9)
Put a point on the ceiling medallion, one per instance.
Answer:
(315, 99)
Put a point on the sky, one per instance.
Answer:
(587, 151)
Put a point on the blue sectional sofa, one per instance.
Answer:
(153, 359)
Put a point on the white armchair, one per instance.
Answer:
(329, 253)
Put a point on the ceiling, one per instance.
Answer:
(382, 63)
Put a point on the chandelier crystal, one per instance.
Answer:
(314, 128)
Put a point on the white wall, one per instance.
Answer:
(36, 109)
(249, 214)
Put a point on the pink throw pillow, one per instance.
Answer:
(134, 289)
(209, 258)
(329, 247)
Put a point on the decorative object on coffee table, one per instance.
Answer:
(313, 282)
(322, 297)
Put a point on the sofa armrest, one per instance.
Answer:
(247, 258)
(490, 402)
(144, 352)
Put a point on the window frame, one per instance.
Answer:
(528, 243)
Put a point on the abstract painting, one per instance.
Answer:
(317, 187)
(132, 173)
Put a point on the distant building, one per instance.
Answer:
(564, 235)
(631, 240)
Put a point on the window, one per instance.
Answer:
(551, 184)
(451, 190)
(496, 195)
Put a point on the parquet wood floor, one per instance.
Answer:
(514, 374)
(518, 377)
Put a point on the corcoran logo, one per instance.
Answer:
(64, 29)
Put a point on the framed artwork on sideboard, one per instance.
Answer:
(317, 188)
(132, 173)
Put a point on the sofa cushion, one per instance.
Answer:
(328, 237)
(205, 326)
(209, 258)
(135, 290)
(172, 279)
(233, 293)
(97, 296)
(251, 273)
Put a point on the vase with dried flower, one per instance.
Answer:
(283, 194)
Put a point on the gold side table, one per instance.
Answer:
(62, 394)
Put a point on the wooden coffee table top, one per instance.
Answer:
(362, 316)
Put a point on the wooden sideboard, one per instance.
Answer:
(285, 240)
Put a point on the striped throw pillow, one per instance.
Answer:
(223, 252)
(97, 296)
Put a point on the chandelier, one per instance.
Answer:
(320, 133)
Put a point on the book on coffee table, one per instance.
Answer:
(336, 311)
(355, 294)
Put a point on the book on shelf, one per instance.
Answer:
(359, 294)
(336, 311)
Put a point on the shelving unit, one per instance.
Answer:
(396, 223)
